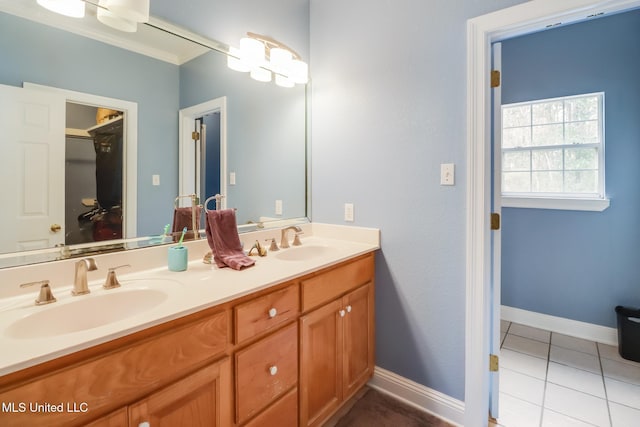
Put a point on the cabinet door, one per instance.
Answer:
(320, 363)
(358, 354)
(114, 419)
(201, 399)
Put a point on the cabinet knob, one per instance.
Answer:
(342, 313)
(273, 313)
(273, 370)
(348, 309)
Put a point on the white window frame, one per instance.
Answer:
(563, 201)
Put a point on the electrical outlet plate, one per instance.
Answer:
(278, 207)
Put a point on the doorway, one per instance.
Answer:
(203, 155)
(482, 31)
(94, 159)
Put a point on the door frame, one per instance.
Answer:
(186, 117)
(130, 135)
(535, 15)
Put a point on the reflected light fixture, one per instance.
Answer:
(112, 20)
(71, 8)
(264, 57)
(123, 15)
(133, 10)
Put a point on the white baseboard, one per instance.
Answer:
(574, 328)
(418, 396)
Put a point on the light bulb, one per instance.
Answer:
(280, 60)
(284, 81)
(261, 74)
(71, 8)
(251, 52)
(114, 21)
(131, 10)
(299, 71)
(234, 62)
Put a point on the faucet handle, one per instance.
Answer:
(274, 246)
(259, 248)
(45, 296)
(112, 280)
(296, 239)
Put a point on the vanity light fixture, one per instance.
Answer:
(71, 8)
(110, 19)
(123, 15)
(132, 10)
(263, 57)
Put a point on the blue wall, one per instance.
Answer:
(265, 136)
(33, 53)
(388, 107)
(579, 265)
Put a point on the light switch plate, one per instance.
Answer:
(447, 174)
(348, 212)
(278, 207)
(155, 179)
(232, 178)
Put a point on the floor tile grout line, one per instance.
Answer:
(546, 380)
(604, 385)
(599, 371)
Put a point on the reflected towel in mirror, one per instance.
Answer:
(183, 217)
(224, 241)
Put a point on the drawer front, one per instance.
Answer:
(264, 313)
(283, 413)
(330, 285)
(265, 370)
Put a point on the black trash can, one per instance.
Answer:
(628, 333)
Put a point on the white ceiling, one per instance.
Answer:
(148, 40)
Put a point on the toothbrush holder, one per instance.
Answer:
(178, 258)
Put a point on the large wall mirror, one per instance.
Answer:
(120, 107)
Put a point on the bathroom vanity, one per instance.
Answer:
(287, 350)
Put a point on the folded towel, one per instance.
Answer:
(224, 241)
(182, 217)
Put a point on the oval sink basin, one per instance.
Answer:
(303, 253)
(86, 313)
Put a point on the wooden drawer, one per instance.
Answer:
(111, 381)
(283, 413)
(328, 286)
(257, 382)
(262, 314)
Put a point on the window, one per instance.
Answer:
(553, 153)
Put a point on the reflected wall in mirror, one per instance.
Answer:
(265, 129)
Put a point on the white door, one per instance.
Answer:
(494, 346)
(32, 149)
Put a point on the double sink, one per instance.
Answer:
(103, 307)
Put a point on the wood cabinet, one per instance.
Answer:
(201, 399)
(266, 357)
(90, 385)
(289, 355)
(265, 371)
(336, 342)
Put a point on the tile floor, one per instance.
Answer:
(550, 379)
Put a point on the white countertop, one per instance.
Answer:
(200, 287)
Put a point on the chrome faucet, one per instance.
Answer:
(80, 286)
(284, 242)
